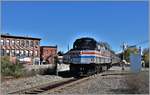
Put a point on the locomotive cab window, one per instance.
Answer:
(85, 44)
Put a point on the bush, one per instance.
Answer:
(10, 69)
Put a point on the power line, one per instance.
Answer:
(146, 41)
(143, 42)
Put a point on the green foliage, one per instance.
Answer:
(56, 60)
(10, 69)
(146, 56)
(60, 53)
(128, 52)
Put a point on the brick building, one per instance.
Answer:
(47, 54)
(20, 47)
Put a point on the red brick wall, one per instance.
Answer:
(19, 47)
(48, 53)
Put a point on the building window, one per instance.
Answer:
(2, 42)
(17, 53)
(8, 52)
(27, 53)
(31, 43)
(31, 53)
(27, 43)
(18, 42)
(37, 43)
(23, 43)
(36, 53)
(7, 42)
(21, 52)
(13, 42)
(2, 52)
(13, 52)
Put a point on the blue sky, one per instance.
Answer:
(60, 23)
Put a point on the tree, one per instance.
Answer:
(146, 56)
(10, 69)
(128, 51)
(60, 53)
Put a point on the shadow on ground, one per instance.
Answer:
(65, 74)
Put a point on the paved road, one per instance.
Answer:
(114, 81)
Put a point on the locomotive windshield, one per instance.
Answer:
(85, 44)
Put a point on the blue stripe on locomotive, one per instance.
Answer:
(82, 59)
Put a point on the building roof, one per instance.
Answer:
(49, 46)
(20, 37)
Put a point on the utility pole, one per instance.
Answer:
(123, 51)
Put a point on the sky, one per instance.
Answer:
(61, 23)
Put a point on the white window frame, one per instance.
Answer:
(8, 42)
(2, 41)
(8, 52)
(13, 42)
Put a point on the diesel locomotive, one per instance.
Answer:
(89, 57)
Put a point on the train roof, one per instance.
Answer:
(85, 38)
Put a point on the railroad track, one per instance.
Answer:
(49, 87)
(57, 86)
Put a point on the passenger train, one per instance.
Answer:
(88, 57)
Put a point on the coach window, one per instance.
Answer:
(13, 42)
(7, 42)
(2, 42)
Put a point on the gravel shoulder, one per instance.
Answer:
(114, 81)
(24, 83)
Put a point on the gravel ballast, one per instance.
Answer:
(23, 83)
(114, 81)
